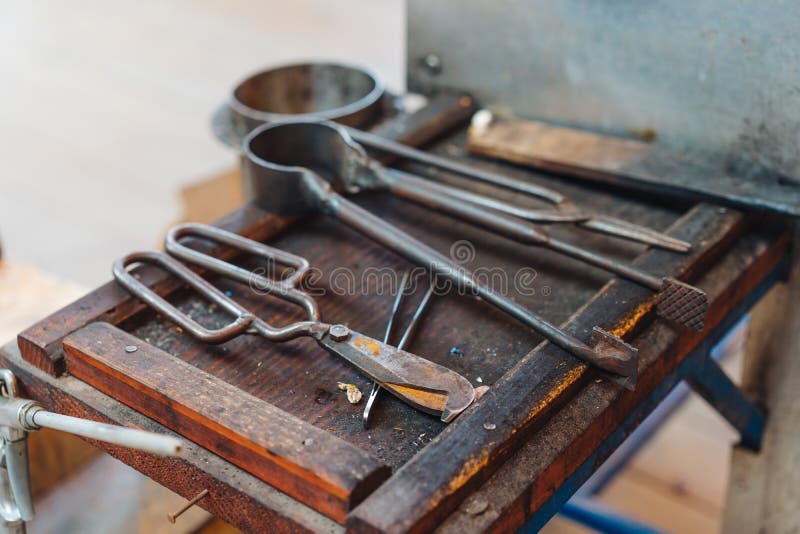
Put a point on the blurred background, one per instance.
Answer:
(106, 109)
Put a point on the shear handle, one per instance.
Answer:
(242, 320)
(284, 289)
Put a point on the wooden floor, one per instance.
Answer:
(106, 119)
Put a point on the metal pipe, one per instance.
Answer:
(127, 437)
(383, 144)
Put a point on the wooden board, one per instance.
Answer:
(526, 481)
(763, 492)
(426, 489)
(676, 172)
(301, 460)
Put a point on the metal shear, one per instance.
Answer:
(426, 385)
(327, 149)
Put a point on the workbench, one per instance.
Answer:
(545, 424)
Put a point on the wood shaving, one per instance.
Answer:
(353, 393)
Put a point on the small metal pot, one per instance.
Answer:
(325, 91)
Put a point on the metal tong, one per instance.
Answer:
(286, 175)
(404, 339)
(426, 385)
(565, 211)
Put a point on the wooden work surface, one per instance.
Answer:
(434, 468)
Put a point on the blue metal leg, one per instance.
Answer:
(711, 383)
(705, 377)
(595, 515)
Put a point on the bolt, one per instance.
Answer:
(432, 63)
(131, 348)
(477, 506)
(339, 332)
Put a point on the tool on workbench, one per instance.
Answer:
(327, 149)
(565, 211)
(278, 181)
(404, 339)
(427, 386)
(347, 94)
(18, 416)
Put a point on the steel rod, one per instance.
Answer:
(127, 437)
(423, 255)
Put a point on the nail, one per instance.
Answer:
(173, 516)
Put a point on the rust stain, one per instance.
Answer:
(629, 322)
(366, 343)
(471, 467)
(429, 399)
(573, 375)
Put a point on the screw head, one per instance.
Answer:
(489, 426)
(432, 63)
(339, 332)
(131, 348)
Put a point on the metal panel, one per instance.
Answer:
(717, 75)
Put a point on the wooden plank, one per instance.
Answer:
(235, 495)
(431, 485)
(763, 489)
(653, 169)
(311, 465)
(545, 146)
(552, 454)
(40, 344)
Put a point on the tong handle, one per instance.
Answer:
(242, 320)
(285, 289)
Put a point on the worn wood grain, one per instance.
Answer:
(235, 495)
(763, 490)
(530, 477)
(429, 486)
(311, 465)
(655, 169)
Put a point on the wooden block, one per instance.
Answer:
(552, 147)
(311, 465)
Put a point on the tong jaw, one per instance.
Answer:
(607, 344)
(682, 303)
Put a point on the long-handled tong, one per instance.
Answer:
(421, 383)
(404, 339)
(565, 211)
(327, 149)
(286, 175)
